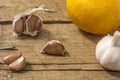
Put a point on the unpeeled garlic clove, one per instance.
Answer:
(19, 64)
(15, 61)
(35, 23)
(10, 58)
(54, 47)
(18, 25)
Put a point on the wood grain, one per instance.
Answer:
(9, 9)
(59, 67)
(80, 45)
(65, 75)
(80, 61)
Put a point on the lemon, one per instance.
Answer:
(95, 16)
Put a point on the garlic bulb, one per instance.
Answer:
(27, 23)
(108, 51)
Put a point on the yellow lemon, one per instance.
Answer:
(95, 16)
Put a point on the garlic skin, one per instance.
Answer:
(54, 47)
(108, 51)
(15, 61)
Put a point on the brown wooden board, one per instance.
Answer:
(80, 45)
(9, 9)
(59, 67)
(80, 62)
(61, 75)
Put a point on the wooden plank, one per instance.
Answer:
(67, 33)
(65, 75)
(80, 45)
(10, 8)
(42, 59)
(33, 56)
(80, 64)
(59, 67)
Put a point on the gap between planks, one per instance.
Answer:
(55, 67)
(44, 22)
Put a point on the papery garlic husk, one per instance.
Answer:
(11, 58)
(108, 51)
(54, 47)
(27, 23)
(17, 65)
(15, 61)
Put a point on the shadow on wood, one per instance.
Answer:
(114, 73)
(41, 35)
(57, 55)
(92, 37)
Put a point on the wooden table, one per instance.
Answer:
(80, 64)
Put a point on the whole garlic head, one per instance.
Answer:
(108, 51)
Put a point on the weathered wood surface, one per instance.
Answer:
(79, 64)
(62, 75)
(10, 8)
(78, 44)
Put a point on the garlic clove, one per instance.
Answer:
(34, 23)
(54, 47)
(18, 64)
(18, 26)
(10, 58)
